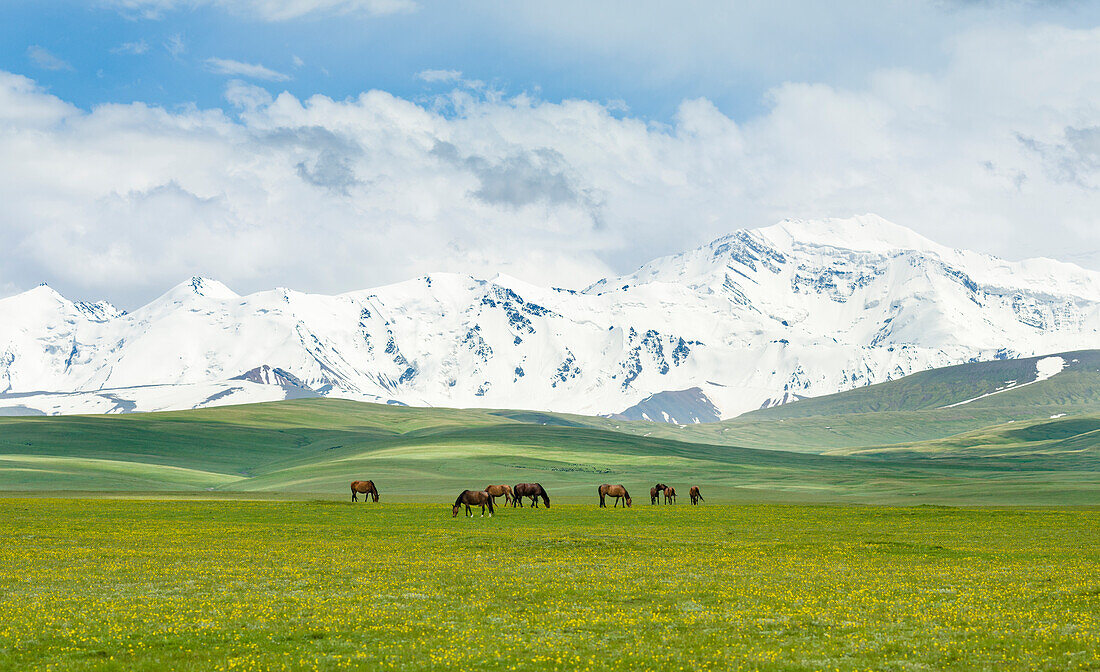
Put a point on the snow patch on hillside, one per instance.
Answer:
(1044, 369)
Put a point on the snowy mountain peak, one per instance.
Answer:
(866, 233)
(211, 288)
(801, 308)
(198, 286)
(42, 292)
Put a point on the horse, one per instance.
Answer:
(365, 487)
(670, 495)
(655, 493)
(500, 491)
(617, 491)
(474, 498)
(532, 490)
(695, 495)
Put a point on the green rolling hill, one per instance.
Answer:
(1004, 381)
(900, 442)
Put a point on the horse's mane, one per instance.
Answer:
(542, 493)
(460, 496)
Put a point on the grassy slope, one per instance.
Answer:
(1078, 385)
(892, 442)
(1069, 442)
(318, 446)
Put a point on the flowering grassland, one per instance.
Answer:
(233, 585)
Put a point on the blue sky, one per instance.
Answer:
(143, 141)
(650, 58)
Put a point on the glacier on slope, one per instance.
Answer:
(755, 318)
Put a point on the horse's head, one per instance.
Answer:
(629, 501)
(454, 511)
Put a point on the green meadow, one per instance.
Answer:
(889, 528)
(124, 584)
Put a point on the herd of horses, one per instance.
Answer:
(515, 494)
(512, 494)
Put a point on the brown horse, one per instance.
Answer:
(473, 498)
(670, 495)
(532, 490)
(655, 493)
(364, 487)
(616, 491)
(695, 495)
(500, 491)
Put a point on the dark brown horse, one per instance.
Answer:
(500, 491)
(470, 498)
(695, 495)
(532, 490)
(655, 493)
(670, 495)
(617, 491)
(364, 487)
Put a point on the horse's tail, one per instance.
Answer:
(490, 498)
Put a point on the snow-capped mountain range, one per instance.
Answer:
(755, 318)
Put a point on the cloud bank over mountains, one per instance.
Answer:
(997, 151)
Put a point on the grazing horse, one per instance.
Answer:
(474, 498)
(365, 487)
(670, 495)
(500, 491)
(655, 493)
(695, 495)
(617, 491)
(532, 490)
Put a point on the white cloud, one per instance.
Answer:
(175, 45)
(266, 10)
(224, 66)
(436, 76)
(135, 48)
(42, 58)
(996, 152)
